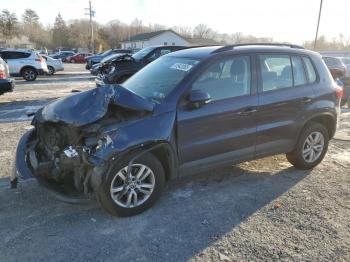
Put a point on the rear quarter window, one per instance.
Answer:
(15, 55)
(310, 70)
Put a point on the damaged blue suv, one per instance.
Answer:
(185, 112)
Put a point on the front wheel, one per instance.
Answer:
(29, 74)
(311, 147)
(124, 195)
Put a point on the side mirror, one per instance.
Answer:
(198, 98)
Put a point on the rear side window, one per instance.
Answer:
(310, 70)
(15, 55)
(276, 72)
(298, 71)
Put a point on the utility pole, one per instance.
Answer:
(91, 14)
(318, 24)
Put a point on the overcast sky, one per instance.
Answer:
(284, 20)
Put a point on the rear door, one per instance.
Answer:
(223, 130)
(284, 97)
(13, 61)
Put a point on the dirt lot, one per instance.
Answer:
(256, 211)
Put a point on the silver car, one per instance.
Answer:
(28, 64)
(53, 65)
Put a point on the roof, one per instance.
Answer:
(197, 52)
(201, 41)
(202, 52)
(147, 36)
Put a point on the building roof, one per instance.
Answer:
(147, 36)
(202, 41)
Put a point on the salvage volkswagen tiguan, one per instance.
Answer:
(185, 112)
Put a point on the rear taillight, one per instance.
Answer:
(339, 91)
(2, 72)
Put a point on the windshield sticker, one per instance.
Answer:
(181, 66)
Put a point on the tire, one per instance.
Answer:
(51, 70)
(348, 102)
(305, 162)
(29, 74)
(118, 205)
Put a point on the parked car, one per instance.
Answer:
(108, 63)
(335, 66)
(122, 69)
(6, 83)
(339, 71)
(186, 112)
(346, 62)
(63, 55)
(53, 65)
(28, 64)
(78, 58)
(91, 60)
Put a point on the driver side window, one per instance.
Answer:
(226, 78)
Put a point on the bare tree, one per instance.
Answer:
(8, 24)
(202, 31)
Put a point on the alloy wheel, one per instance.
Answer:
(132, 191)
(313, 147)
(29, 74)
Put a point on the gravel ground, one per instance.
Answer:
(257, 211)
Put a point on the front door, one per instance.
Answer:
(223, 130)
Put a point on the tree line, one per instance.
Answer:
(76, 33)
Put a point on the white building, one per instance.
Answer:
(163, 37)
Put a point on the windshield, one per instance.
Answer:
(159, 78)
(110, 57)
(106, 52)
(142, 53)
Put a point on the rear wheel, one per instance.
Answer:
(29, 74)
(311, 147)
(51, 70)
(124, 195)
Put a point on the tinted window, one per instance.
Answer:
(332, 62)
(310, 70)
(14, 55)
(276, 72)
(298, 71)
(226, 78)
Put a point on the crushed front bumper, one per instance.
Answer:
(26, 162)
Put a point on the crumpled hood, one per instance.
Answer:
(89, 106)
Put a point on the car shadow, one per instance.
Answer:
(16, 111)
(192, 214)
(56, 79)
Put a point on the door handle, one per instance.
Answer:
(247, 111)
(306, 99)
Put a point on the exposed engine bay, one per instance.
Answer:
(64, 146)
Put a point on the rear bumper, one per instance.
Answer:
(6, 85)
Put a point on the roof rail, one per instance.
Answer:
(231, 47)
